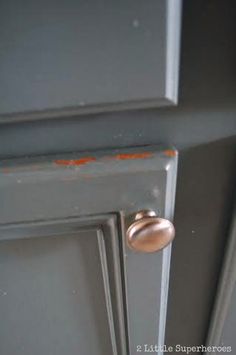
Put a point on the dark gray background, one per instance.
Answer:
(203, 128)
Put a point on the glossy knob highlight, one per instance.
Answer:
(149, 233)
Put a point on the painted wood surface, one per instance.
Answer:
(64, 194)
(84, 56)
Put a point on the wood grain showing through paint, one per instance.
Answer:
(75, 162)
(170, 153)
(143, 155)
(86, 160)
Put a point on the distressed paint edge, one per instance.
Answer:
(74, 162)
(77, 160)
(85, 160)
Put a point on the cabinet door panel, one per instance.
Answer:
(45, 284)
(56, 291)
(63, 226)
(67, 57)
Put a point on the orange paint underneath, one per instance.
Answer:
(170, 153)
(133, 156)
(75, 162)
(6, 170)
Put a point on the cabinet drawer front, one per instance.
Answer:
(87, 56)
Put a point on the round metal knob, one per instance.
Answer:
(149, 233)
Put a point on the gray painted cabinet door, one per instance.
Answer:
(68, 282)
(55, 293)
(77, 56)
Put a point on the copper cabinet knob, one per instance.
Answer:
(149, 233)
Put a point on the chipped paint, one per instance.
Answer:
(6, 170)
(75, 162)
(127, 156)
(170, 153)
